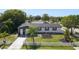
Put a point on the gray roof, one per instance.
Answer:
(40, 25)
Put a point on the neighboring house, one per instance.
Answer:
(43, 28)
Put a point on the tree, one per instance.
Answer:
(4, 28)
(67, 35)
(69, 22)
(32, 32)
(31, 18)
(45, 17)
(17, 17)
(3, 35)
(0, 17)
(77, 21)
(37, 17)
(54, 19)
(7, 26)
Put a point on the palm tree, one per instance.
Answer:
(67, 36)
(32, 32)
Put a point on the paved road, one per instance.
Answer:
(17, 44)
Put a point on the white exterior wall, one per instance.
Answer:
(59, 30)
(50, 30)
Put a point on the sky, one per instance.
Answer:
(50, 12)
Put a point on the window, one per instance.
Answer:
(54, 28)
(46, 28)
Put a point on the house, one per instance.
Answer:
(43, 28)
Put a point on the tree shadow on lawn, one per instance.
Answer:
(2, 46)
(72, 42)
(64, 41)
(76, 38)
(34, 46)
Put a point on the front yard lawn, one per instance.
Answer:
(48, 47)
(58, 48)
(75, 39)
(9, 39)
(55, 38)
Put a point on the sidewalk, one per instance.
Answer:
(76, 48)
(17, 44)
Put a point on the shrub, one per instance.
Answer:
(4, 34)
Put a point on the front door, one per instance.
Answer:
(21, 32)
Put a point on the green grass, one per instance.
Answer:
(50, 48)
(4, 46)
(55, 38)
(75, 39)
(10, 38)
(58, 48)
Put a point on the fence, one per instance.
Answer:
(74, 44)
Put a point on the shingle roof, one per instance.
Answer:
(41, 24)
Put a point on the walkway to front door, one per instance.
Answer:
(18, 43)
